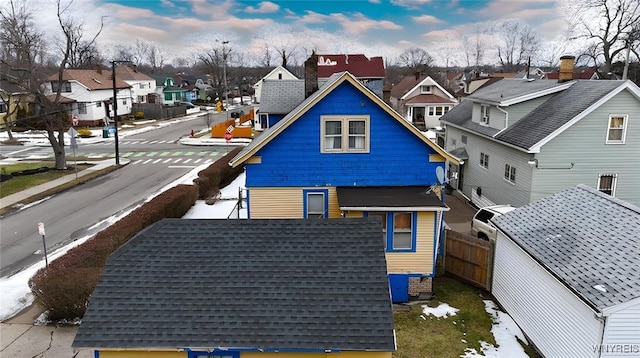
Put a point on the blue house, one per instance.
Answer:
(344, 152)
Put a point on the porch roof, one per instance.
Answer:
(387, 198)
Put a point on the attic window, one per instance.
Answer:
(617, 129)
(425, 89)
(97, 81)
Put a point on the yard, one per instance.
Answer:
(424, 335)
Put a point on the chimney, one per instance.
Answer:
(566, 68)
(311, 75)
(386, 94)
(99, 69)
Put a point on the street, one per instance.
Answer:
(87, 208)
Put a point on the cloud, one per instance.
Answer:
(265, 7)
(167, 3)
(500, 9)
(427, 19)
(411, 4)
(353, 23)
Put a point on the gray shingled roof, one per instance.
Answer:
(288, 284)
(511, 89)
(281, 96)
(460, 115)
(555, 112)
(584, 238)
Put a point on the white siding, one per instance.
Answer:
(622, 333)
(584, 144)
(558, 323)
(495, 189)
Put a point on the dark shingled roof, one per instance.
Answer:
(555, 112)
(271, 284)
(584, 238)
(510, 89)
(460, 115)
(281, 96)
(387, 196)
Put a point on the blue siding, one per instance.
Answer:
(293, 158)
(275, 118)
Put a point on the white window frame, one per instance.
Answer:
(510, 173)
(344, 134)
(82, 107)
(405, 231)
(625, 118)
(426, 89)
(484, 160)
(614, 181)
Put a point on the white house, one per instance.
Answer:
(141, 84)
(567, 270)
(421, 100)
(92, 91)
(278, 73)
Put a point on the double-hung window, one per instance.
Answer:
(426, 89)
(345, 134)
(484, 160)
(398, 230)
(82, 107)
(316, 203)
(617, 129)
(607, 183)
(510, 173)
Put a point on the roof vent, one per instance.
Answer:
(97, 81)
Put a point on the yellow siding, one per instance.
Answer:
(436, 158)
(283, 203)
(276, 203)
(254, 160)
(420, 261)
(354, 214)
(152, 354)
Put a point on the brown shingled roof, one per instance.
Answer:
(92, 79)
(405, 85)
(428, 98)
(131, 74)
(358, 65)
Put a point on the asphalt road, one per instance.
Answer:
(87, 208)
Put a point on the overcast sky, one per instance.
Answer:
(182, 28)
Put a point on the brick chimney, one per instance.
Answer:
(386, 94)
(99, 69)
(566, 68)
(311, 75)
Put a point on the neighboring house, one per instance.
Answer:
(13, 95)
(421, 100)
(566, 270)
(369, 71)
(141, 84)
(191, 93)
(279, 97)
(465, 88)
(278, 73)
(194, 288)
(344, 152)
(589, 73)
(167, 92)
(525, 139)
(93, 92)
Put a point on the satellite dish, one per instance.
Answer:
(440, 175)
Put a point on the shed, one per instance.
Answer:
(567, 269)
(244, 288)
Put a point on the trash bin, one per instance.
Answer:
(105, 133)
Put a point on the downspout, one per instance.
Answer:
(506, 116)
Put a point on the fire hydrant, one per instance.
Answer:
(192, 133)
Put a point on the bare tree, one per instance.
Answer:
(617, 21)
(474, 49)
(155, 57)
(517, 42)
(417, 60)
(21, 53)
(140, 52)
(126, 53)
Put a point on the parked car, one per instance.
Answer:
(481, 225)
(189, 105)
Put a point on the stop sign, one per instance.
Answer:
(228, 136)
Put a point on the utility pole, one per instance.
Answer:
(224, 74)
(115, 106)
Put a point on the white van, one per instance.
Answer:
(482, 227)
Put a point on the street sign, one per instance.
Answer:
(230, 129)
(228, 136)
(41, 228)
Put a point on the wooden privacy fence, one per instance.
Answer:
(158, 111)
(242, 127)
(469, 258)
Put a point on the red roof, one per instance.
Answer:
(358, 65)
